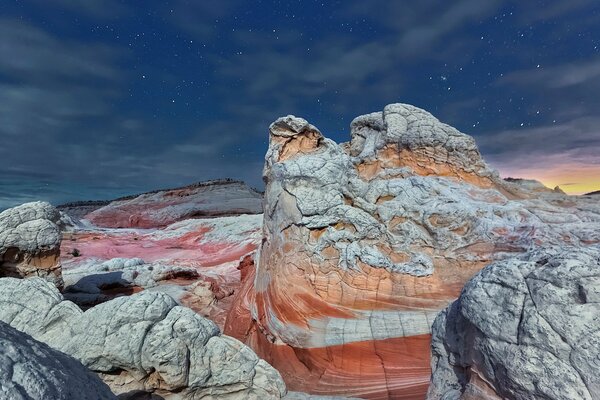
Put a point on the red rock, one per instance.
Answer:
(164, 207)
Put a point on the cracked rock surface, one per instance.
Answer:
(30, 242)
(523, 328)
(33, 370)
(366, 241)
(142, 342)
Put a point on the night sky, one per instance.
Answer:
(101, 98)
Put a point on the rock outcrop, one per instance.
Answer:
(195, 261)
(30, 242)
(33, 370)
(365, 242)
(523, 328)
(164, 207)
(143, 342)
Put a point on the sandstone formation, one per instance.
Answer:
(164, 207)
(94, 282)
(30, 242)
(365, 242)
(143, 342)
(33, 370)
(195, 261)
(523, 328)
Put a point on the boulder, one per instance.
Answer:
(145, 342)
(523, 328)
(30, 242)
(33, 370)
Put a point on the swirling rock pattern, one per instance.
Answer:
(30, 242)
(33, 370)
(142, 342)
(523, 328)
(366, 241)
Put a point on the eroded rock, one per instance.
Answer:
(366, 241)
(164, 207)
(30, 242)
(142, 342)
(523, 328)
(33, 370)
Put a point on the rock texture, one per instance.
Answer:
(33, 370)
(523, 328)
(30, 242)
(195, 261)
(164, 207)
(365, 242)
(142, 342)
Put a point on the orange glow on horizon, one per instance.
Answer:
(572, 178)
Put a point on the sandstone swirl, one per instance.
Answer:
(365, 242)
(145, 342)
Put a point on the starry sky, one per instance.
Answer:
(102, 98)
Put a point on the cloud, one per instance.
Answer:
(109, 9)
(560, 154)
(559, 76)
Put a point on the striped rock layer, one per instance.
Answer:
(366, 241)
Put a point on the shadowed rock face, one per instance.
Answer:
(30, 242)
(142, 342)
(33, 370)
(366, 241)
(523, 328)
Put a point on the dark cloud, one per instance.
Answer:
(106, 9)
(103, 98)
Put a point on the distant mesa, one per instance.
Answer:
(596, 193)
(160, 208)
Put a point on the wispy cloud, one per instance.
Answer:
(95, 8)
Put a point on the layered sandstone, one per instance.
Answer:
(164, 207)
(365, 242)
(30, 242)
(523, 328)
(144, 342)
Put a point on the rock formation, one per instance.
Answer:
(195, 261)
(164, 207)
(30, 242)
(142, 342)
(523, 328)
(33, 370)
(365, 242)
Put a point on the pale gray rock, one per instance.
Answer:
(30, 242)
(31, 370)
(85, 283)
(142, 342)
(523, 328)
